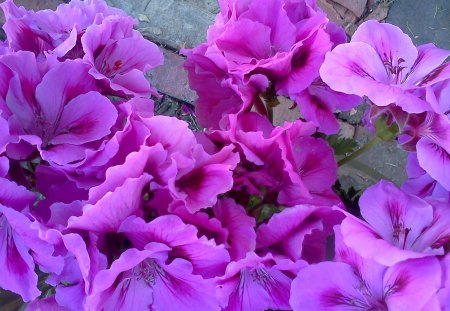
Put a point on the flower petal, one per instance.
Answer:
(434, 160)
(86, 118)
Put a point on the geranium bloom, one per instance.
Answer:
(53, 110)
(382, 63)
(254, 45)
(399, 226)
(429, 135)
(421, 184)
(298, 232)
(219, 94)
(21, 249)
(207, 258)
(281, 159)
(107, 50)
(356, 283)
(230, 225)
(257, 283)
(53, 31)
(142, 279)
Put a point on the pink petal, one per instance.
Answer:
(434, 160)
(86, 118)
(389, 41)
(109, 212)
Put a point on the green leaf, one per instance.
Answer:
(267, 212)
(342, 145)
(385, 131)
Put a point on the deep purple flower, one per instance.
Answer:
(241, 236)
(382, 63)
(219, 93)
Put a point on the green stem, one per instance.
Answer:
(360, 151)
(270, 113)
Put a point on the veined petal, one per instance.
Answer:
(435, 160)
(16, 264)
(86, 118)
(109, 212)
(393, 46)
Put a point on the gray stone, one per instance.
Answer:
(171, 78)
(172, 23)
(355, 115)
(34, 5)
(169, 106)
(384, 161)
(425, 21)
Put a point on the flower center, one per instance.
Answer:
(148, 271)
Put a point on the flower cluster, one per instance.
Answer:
(106, 206)
(409, 86)
(266, 48)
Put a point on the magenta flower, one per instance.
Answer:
(385, 67)
(53, 110)
(58, 32)
(357, 283)
(107, 51)
(319, 102)
(399, 226)
(219, 94)
(257, 283)
(4, 135)
(241, 236)
(298, 232)
(429, 135)
(207, 258)
(421, 184)
(230, 226)
(108, 213)
(255, 45)
(21, 249)
(143, 279)
(82, 261)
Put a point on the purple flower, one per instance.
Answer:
(142, 279)
(319, 102)
(108, 213)
(429, 135)
(257, 283)
(207, 258)
(382, 63)
(49, 304)
(354, 282)
(399, 226)
(298, 232)
(53, 110)
(421, 184)
(58, 32)
(21, 249)
(107, 51)
(241, 236)
(255, 45)
(219, 93)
